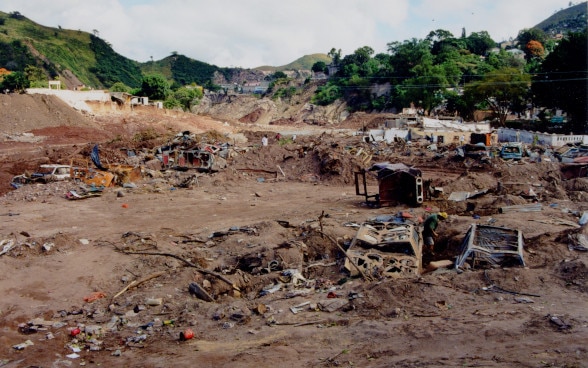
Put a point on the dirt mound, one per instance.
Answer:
(23, 113)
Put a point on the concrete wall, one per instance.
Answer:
(75, 99)
(387, 134)
(543, 139)
(454, 125)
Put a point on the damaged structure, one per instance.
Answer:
(184, 154)
(389, 249)
(397, 183)
(485, 246)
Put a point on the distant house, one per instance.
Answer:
(255, 87)
(519, 54)
(506, 44)
(332, 69)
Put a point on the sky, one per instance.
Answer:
(252, 33)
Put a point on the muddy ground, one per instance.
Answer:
(121, 267)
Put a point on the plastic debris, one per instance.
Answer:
(94, 296)
(23, 345)
(298, 308)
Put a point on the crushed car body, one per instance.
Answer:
(45, 174)
(389, 249)
(512, 151)
(183, 154)
(488, 246)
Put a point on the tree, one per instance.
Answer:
(35, 75)
(535, 48)
(501, 90)
(335, 55)
(155, 86)
(120, 87)
(438, 35)
(279, 75)
(363, 54)
(561, 82)
(406, 55)
(16, 82)
(532, 34)
(479, 42)
(421, 80)
(184, 97)
(319, 66)
(16, 15)
(456, 103)
(504, 59)
(326, 94)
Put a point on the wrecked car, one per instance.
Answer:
(390, 249)
(51, 172)
(487, 246)
(512, 151)
(201, 160)
(478, 151)
(46, 173)
(569, 154)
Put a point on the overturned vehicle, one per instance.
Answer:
(388, 249)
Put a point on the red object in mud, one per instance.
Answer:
(76, 331)
(187, 334)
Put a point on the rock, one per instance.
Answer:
(153, 301)
(332, 305)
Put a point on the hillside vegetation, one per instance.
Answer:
(572, 19)
(304, 63)
(95, 64)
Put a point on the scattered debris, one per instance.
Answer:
(94, 296)
(199, 292)
(578, 242)
(23, 345)
(6, 245)
(532, 207)
(561, 325)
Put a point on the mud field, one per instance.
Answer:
(250, 259)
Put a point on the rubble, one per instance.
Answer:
(263, 254)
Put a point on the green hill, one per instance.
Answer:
(63, 53)
(182, 70)
(572, 19)
(57, 51)
(304, 63)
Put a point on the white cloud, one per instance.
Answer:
(269, 32)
